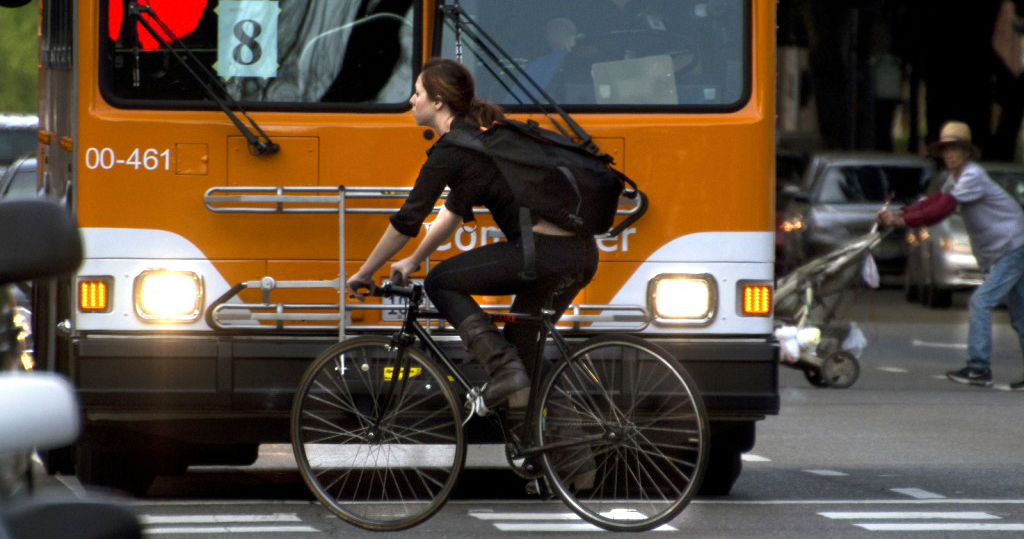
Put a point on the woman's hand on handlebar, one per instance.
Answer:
(402, 269)
(360, 286)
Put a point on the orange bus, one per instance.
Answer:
(228, 161)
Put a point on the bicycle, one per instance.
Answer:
(378, 431)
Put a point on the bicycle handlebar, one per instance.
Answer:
(390, 289)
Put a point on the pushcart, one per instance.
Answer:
(811, 335)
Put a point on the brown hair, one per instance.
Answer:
(451, 83)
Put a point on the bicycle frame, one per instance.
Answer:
(412, 330)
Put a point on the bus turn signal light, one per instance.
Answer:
(94, 295)
(757, 299)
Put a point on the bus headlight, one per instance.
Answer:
(683, 297)
(168, 296)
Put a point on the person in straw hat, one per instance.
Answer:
(995, 225)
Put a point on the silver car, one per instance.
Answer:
(838, 199)
(940, 261)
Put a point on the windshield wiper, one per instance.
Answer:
(258, 145)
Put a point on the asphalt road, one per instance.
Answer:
(902, 453)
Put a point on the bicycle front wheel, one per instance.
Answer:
(378, 438)
(624, 433)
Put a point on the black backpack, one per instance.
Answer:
(568, 184)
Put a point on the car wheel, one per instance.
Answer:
(913, 293)
(940, 298)
(924, 295)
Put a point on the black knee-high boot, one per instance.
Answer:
(507, 379)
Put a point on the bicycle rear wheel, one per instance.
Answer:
(625, 413)
(379, 444)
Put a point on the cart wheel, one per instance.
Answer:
(813, 375)
(840, 369)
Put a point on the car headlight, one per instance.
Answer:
(168, 296)
(681, 297)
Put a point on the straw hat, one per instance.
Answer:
(954, 133)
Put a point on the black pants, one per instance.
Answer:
(564, 265)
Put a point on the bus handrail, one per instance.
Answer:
(284, 199)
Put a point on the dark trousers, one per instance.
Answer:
(564, 265)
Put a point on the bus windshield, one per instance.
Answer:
(277, 53)
(689, 53)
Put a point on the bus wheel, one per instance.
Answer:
(725, 458)
(114, 469)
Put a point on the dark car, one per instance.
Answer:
(20, 180)
(940, 261)
(18, 138)
(839, 197)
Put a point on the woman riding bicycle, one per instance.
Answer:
(444, 100)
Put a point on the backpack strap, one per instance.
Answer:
(529, 272)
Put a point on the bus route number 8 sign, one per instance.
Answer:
(247, 39)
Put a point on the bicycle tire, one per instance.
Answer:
(637, 420)
(378, 463)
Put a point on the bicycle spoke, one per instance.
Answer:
(380, 448)
(652, 427)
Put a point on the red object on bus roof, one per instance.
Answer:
(182, 16)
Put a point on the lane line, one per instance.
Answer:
(920, 494)
(938, 501)
(524, 516)
(217, 519)
(944, 527)
(928, 344)
(908, 515)
(230, 529)
(895, 370)
(750, 457)
(562, 527)
(827, 473)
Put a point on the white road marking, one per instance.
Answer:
(750, 457)
(827, 473)
(185, 524)
(897, 370)
(217, 519)
(909, 515)
(523, 516)
(940, 527)
(917, 493)
(562, 527)
(927, 344)
(230, 529)
(545, 521)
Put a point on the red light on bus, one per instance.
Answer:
(182, 16)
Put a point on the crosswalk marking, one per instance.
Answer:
(917, 493)
(827, 473)
(941, 527)
(217, 519)
(553, 522)
(230, 529)
(223, 523)
(910, 515)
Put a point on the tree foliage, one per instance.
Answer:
(19, 58)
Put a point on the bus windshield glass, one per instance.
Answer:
(281, 53)
(692, 53)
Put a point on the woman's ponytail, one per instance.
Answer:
(453, 84)
(485, 113)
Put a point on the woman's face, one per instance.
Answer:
(954, 157)
(424, 109)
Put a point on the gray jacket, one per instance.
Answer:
(994, 220)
